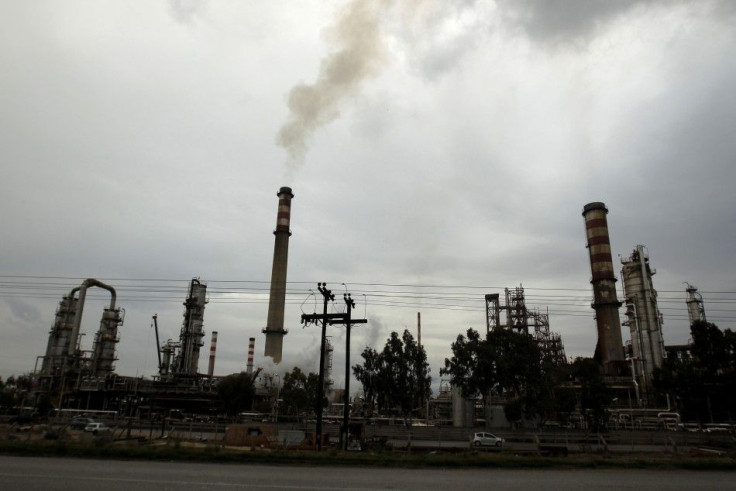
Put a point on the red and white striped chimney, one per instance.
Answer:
(274, 329)
(251, 350)
(213, 349)
(610, 348)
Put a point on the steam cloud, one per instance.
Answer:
(359, 49)
(359, 55)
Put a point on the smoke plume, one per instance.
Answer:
(359, 54)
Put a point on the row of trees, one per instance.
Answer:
(297, 394)
(511, 366)
(703, 384)
(396, 379)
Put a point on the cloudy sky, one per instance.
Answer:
(437, 151)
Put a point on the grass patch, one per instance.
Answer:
(101, 448)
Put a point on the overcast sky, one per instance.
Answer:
(437, 151)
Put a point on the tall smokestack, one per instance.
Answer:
(419, 329)
(610, 347)
(213, 350)
(275, 324)
(251, 350)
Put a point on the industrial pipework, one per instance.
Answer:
(80, 308)
(274, 329)
(605, 303)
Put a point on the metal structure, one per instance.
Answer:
(493, 312)
(643, 316)
(609, 349)
(213, 350)
(516, 313)
(186, 361)
(521, 319)
(274, 329)
(549, 342)
(695, 306)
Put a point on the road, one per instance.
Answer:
(29, 473)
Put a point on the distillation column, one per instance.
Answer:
(192, 332)
(695, 306)
(58, 349)
(605, 303)
(644, 318)
(274, 329)
(106, 340)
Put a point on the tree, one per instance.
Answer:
(299, 391)
(369, 375)
(472, 367)
(397, 378)
(704, 383)
(595, 395)
(236, 393)
(505, 362)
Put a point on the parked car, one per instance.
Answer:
(484, 439)
(80, 423)
(95, 428)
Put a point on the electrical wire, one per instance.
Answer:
(572, 302)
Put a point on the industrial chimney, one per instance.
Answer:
(274, 329)
(213, 351)
(251, 351)
(610, 347)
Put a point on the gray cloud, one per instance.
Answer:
(151, 156)
(564, 20)
(185, 11)
(24, 311)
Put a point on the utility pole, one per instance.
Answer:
(332, 319)
(327, 296)
(348, 321)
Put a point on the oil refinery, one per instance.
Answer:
(78, 379)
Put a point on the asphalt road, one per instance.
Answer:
(29, 473)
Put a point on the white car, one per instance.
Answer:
(95, 428)
(483, 439)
